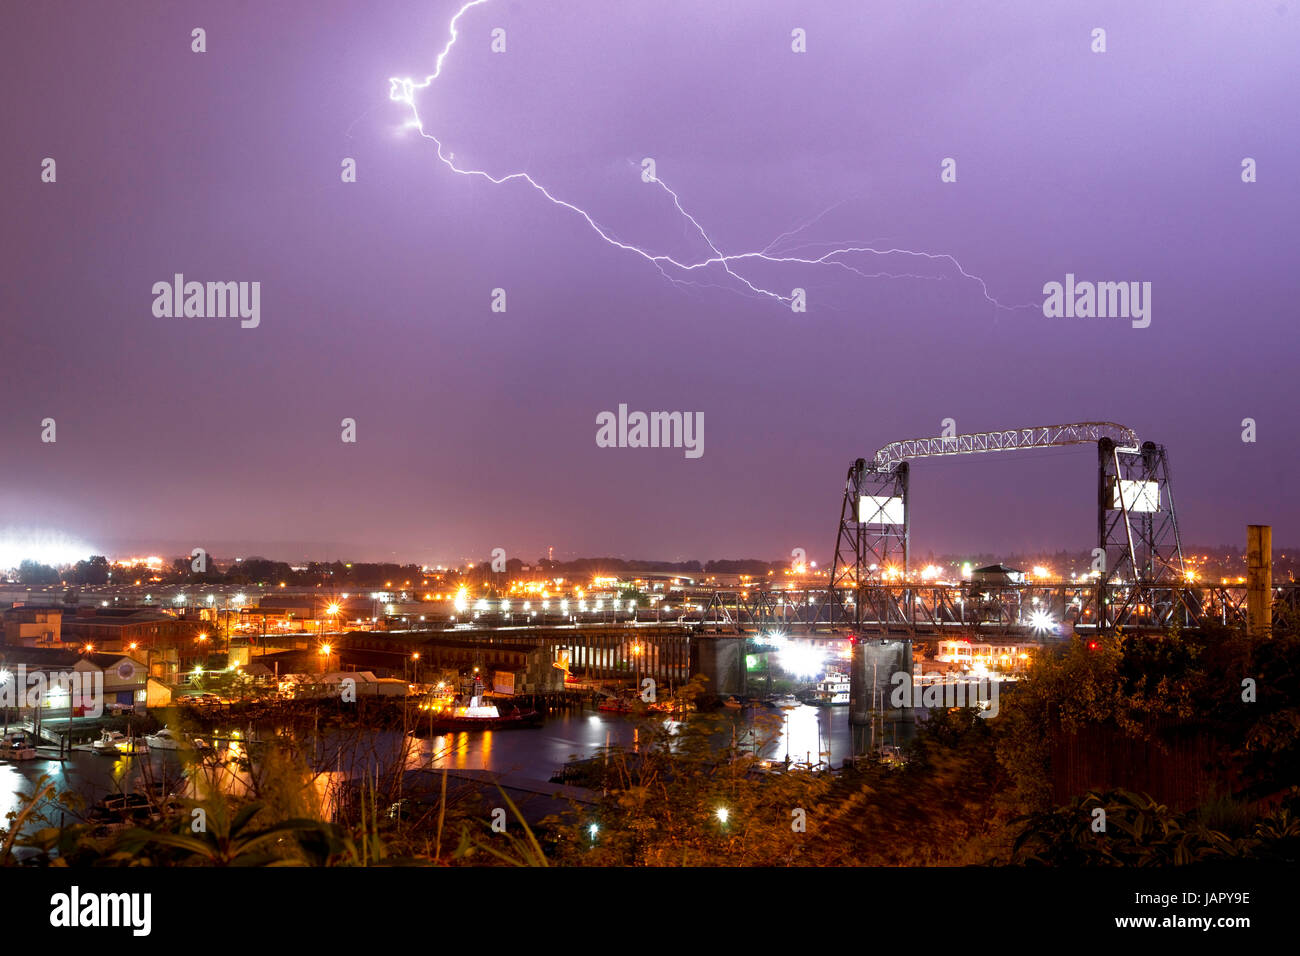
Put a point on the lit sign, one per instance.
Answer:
(874, 510)
(1141, 496)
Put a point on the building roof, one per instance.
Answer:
(118, 616)
(29, 611)
(59, 657)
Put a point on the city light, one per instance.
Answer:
(1042, 622)
(801, 659)
(44, 547)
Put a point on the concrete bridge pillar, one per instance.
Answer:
(872, 689)
(722, 661)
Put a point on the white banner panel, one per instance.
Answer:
(1137, 495)
(874, 510)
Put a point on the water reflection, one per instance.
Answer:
(804, 734)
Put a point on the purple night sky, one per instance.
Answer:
(477, 430)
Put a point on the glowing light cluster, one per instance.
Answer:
(53, 548)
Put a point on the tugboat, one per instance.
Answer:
(478, 715)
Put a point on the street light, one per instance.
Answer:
(332, 611)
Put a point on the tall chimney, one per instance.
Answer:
(1259, 579)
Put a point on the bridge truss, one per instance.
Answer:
(971, 609)
(1138, 541)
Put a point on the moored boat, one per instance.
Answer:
(166, 739)
(478, 715)
(18, 745)
(108, 742)
(113, 743)
(832, 691)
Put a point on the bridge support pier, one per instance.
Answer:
(872, 687)
(722, 661)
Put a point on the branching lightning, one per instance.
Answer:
(405, 91)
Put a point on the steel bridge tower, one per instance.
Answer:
(1137, 528)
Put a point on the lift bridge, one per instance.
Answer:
(1138, 582)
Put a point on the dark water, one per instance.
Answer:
(803, 734)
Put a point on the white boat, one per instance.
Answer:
(833, 691)
(109, 742)
(113, 743)
(166, 739)
(787, 702)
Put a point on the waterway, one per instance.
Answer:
(804, 734)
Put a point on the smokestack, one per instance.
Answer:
(1259, 579)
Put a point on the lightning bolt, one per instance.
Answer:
(405, 90)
